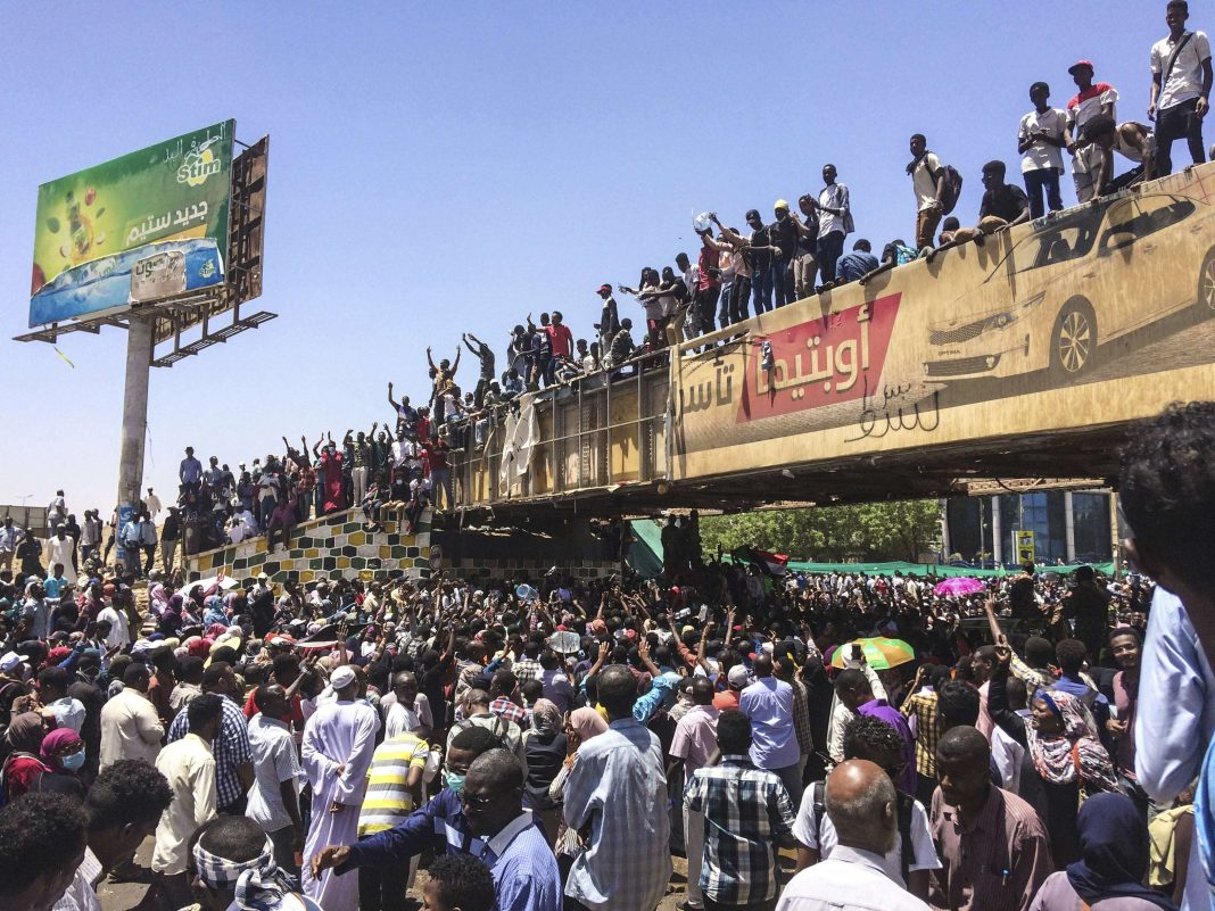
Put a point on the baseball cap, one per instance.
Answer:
(738, 676)
(1081, 63)
(342, 677)
(9, 662)
(780, 204)
(604, 287)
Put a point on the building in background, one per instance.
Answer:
(1069, 526)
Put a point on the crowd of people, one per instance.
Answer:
(408, 460)
(842, 740)
(805, 741)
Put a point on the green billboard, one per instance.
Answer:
(149, 224)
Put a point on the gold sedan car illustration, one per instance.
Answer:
(1081, 280)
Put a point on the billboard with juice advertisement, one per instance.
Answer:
(141, 227)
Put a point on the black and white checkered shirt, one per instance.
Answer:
(230, 748)
(747, 816)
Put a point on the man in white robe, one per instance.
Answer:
(339, 740)
(59, 549)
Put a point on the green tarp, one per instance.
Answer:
(925, 569)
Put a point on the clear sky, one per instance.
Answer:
(437, 168)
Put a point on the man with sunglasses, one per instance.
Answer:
(518, 855)
(914, 854)
(443, 815)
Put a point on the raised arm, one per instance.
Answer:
(390, 398)
(731, 236)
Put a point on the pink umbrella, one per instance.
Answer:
(959, 585)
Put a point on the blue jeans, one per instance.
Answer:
(723, 305)
(761, 289)
(830, 248)
(1035, 182)
(777, 279)
(265, 508)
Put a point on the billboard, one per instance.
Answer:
(1095, 315)
(141, 227)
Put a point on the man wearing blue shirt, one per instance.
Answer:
(515, 850)
(441, 818)
(1167, 492)
(190, 470)
(768, 702)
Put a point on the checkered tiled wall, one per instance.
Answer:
(326, 548)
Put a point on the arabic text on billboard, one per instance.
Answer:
(96, 225)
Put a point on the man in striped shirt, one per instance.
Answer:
(394, 788)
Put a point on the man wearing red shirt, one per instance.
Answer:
(560, 337)
(440, 472)
(708, 285)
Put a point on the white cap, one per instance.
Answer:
(10, 661)
(342, 677)
(738, 676)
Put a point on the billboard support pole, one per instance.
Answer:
(134, 416)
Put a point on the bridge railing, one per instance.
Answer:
(591, 435)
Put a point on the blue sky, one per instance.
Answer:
(437, 168)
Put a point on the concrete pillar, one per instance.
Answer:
(945, 542)
(134, 416)
(1069, 525)
(997, 535)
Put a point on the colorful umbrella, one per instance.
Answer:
(959, 585)
(881, 653)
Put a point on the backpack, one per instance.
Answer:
(904, 802)
(953, 188)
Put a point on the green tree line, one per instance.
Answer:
(867, 531)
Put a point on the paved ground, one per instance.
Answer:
(125, 896)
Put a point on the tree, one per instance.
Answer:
(868, 531)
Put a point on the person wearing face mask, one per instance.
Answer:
(444, 812)
(62, 752)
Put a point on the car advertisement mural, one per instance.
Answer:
(1043, 325)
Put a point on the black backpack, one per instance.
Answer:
(905, 803)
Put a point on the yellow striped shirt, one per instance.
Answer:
(388, 800)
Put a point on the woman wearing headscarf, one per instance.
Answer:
(1064, 760)
(23, 770)
(62, 752)
(158, 599)
(544, 745)
(581, 725)
(214, 614)
(1112, 866)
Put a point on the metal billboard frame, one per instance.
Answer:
(175, 315)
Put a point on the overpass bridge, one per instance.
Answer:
(1024, 358)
